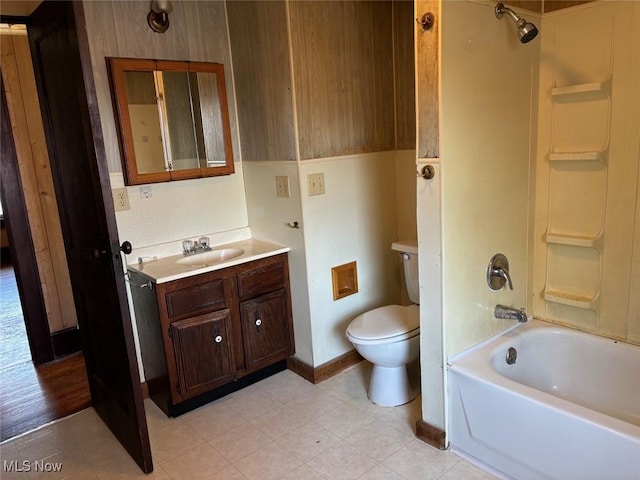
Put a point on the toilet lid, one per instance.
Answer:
(385, 322)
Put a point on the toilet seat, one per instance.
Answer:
(391, 323)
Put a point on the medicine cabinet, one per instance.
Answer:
(172, 119)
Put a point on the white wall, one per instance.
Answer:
(406, 219)
(488, 93)
(586, 209)
(355, 220)
(478, 203)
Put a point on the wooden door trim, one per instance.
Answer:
(23, 258)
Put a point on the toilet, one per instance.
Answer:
(389, 337)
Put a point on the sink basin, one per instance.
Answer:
(212, 257)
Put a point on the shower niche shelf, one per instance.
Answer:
(571, 299)
(577, 157)
(574, 240)
(597, 89)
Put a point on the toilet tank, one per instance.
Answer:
(409, 250)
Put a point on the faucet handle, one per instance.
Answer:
(498, 272)
(501, 272)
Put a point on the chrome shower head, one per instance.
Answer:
(526, 30)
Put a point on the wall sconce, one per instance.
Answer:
(158, 18)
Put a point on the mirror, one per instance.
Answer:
(172, 119)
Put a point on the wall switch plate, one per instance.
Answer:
(282, 186)
(120, 199)
(315, 184)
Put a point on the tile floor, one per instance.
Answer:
(280, 428)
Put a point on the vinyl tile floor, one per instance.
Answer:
(280, 428)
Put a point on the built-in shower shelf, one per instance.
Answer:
(576, 157)
(573, 240)
(583, 88)
(571, 299)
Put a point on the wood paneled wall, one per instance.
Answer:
(343, 74)
(262, 74)
(342, 56)
(545, 6)
(404, 68)
(428, 78)
(37, 182)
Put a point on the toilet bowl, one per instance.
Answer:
(389, 337)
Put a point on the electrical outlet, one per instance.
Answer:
(145, 191)
(315, 184)
(120, 199)
(282, 186)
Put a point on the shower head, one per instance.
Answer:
(526, 30)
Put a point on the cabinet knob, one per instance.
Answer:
(218, 338)
(258, 322)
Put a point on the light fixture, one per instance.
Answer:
(158, 17)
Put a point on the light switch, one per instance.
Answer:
(282, 186)
(315, 184)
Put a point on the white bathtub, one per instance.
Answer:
(569, 408)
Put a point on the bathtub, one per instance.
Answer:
(568, 408)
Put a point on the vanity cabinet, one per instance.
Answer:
(202, 351)
(264, 329)
(208, 334)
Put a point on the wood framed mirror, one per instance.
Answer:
(172, 119)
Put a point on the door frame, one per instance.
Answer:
(21, 246)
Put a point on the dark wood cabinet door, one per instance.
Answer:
(203, 352)
(266, 329)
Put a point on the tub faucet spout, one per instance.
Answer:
(510, 313)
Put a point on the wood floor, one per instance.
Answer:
(32, 396)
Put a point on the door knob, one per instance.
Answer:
(427, 172)
(126, 247)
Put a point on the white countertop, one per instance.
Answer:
(166, 269)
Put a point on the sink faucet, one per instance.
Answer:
(191, 247)
(510, 313)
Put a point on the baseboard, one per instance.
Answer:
(301, 368)
(326, 370)
(65, 342)
(145, 390)
(434, 436)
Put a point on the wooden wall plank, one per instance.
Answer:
(344, 101)
(45, 188)
(533, 5)
(404, 58)
(547, 5)
(208, 41)
(262, 74)
(428, 81)
(553, 5)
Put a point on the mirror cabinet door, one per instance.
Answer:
(172, 119)
(146, 127)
